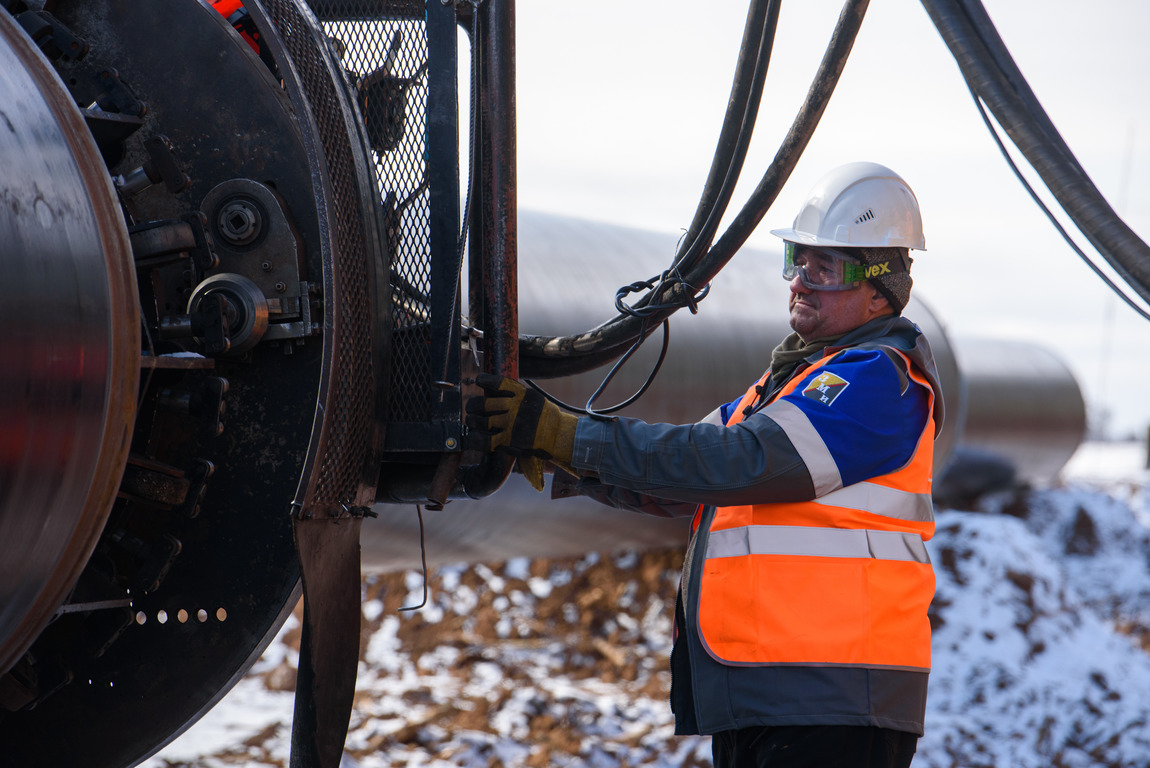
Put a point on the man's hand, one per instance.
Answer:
(523, 422)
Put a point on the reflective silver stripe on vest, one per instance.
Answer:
(816, 542)
(881, 500)
(808, 444)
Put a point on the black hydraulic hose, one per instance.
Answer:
(1050, 215)
(726, 165)
(987, 34)
(796, 140)
(613, 338)
(548, 357)
(1014, 80)
(734, 137)
(1017, 110)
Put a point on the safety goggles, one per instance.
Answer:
(822, 269)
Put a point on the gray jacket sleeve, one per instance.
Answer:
(751, 462)
(622, 498)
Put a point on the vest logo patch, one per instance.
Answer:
(825, 388)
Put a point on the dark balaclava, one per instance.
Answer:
(894, 285)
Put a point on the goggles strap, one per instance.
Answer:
(859, 272)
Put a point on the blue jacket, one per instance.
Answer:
(875, 418)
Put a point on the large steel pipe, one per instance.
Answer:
(1024, 408)
(569, 271)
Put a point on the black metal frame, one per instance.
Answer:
(423, 444)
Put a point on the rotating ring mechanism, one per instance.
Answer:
(190, 362)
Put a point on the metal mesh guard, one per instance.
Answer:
(348, 418)
(385, 51)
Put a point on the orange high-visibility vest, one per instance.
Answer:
(843, 579)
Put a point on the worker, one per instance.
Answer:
(802, 636)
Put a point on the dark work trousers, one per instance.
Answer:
(813, 746)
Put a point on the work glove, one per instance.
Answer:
(515, 418)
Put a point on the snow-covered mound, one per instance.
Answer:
(1041, 651)
(1042, 626)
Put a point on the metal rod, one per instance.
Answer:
(499, 175)
(493, 272)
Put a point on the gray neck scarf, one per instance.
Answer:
(792, 351)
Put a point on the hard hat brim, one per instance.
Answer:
(806, 238)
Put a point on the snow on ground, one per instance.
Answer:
(1041, 643)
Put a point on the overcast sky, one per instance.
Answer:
(620, 104)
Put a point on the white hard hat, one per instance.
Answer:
(859, 205)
